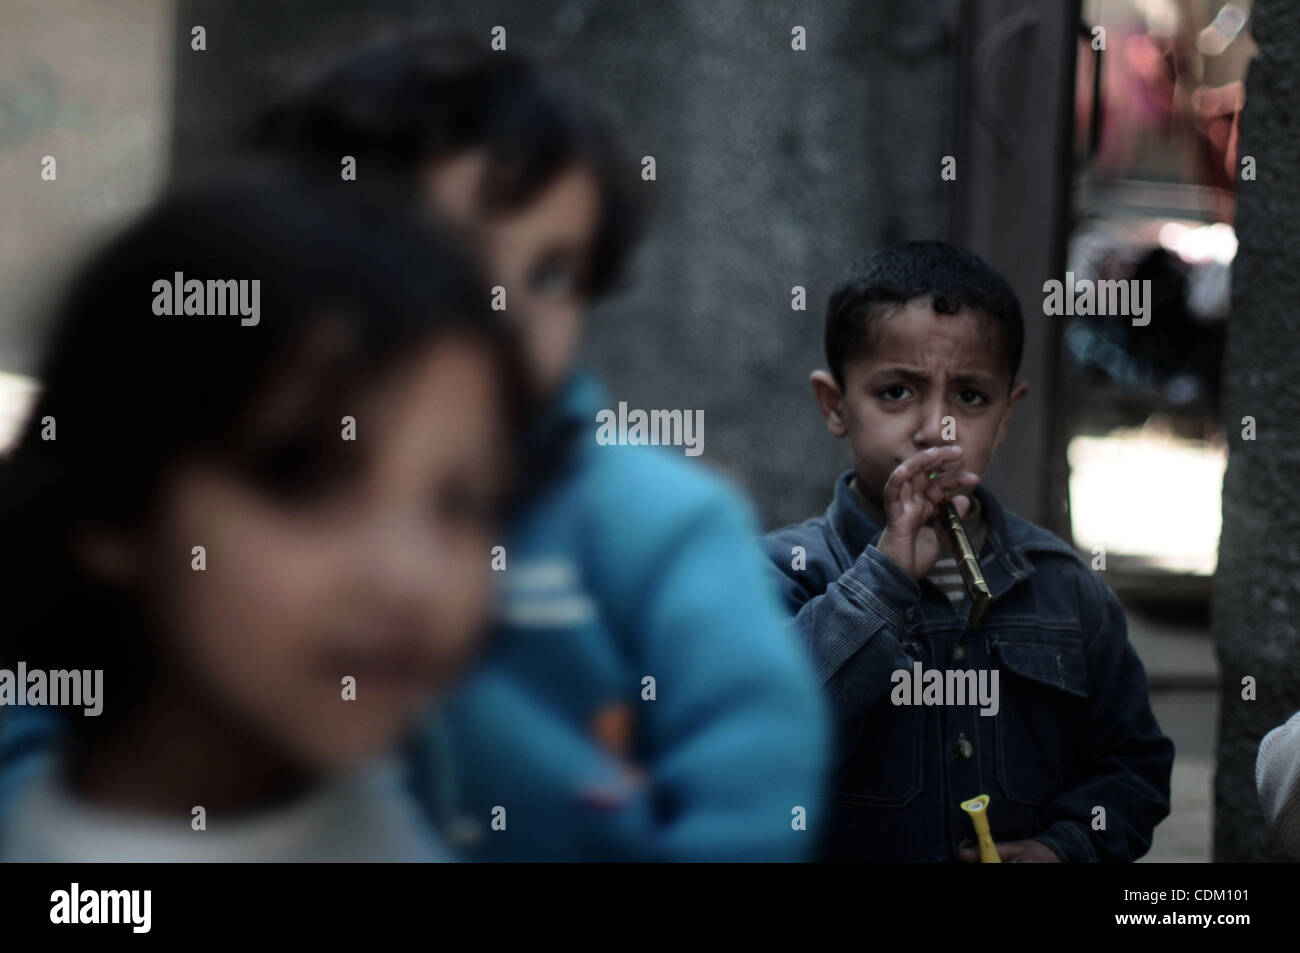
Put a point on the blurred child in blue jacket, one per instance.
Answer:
(643, 698)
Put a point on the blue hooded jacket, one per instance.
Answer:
(635, 593)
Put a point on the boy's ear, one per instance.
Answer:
(831, 401)
(1017, 395)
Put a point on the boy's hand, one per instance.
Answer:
(1016, 852)
(911, 498)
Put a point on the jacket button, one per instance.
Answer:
(963, 748)
(959, 652)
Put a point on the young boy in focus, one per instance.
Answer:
(923, 343)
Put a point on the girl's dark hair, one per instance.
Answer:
(126, 393)
(398, 106)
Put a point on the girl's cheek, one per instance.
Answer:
(467, 594)
(474, 583)
(242, 611)
(244, 618)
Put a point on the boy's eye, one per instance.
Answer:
(972, 397)
(895, 392)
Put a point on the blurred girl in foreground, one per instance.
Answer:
(340, 462)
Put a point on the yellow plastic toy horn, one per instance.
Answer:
(977, 808)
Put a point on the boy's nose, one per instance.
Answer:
(929, 431)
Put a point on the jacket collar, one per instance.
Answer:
(1003, 559)
(553, 440)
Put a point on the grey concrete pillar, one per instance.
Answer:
(1257, 589)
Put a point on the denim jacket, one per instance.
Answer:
(1073, 756)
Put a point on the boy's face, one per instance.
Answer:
(920, 368)
(541, 254)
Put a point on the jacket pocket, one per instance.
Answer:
(1044, 701)
(883, 762)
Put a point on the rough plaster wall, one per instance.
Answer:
(775, 168)
(1257, 590)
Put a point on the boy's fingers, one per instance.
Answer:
(954, 483)
(926, 461)
(961, 503)
(918, 467)
(949, 480)
(1010, 852)
(917, 485)
(927, 513)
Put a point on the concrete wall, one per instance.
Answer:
(775, 168)
(89, 85)
(1257, 590)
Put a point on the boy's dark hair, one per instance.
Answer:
(397, 107)
(896, 274)
(132, 393)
